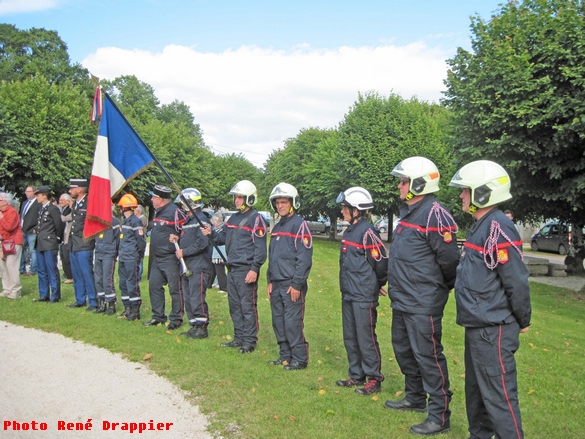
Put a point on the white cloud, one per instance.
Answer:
(251, 99)
(13, 6)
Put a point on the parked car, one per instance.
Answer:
(381, 225)
(321, 225)
(552, 237)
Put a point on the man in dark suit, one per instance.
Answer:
(29, 214)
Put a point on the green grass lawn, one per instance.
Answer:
(245, 397)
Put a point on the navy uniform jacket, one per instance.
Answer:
(30, 220)
(107, 242)
(49, 228)
(78, 214)
(422, 265)
(168, 220)
(244, 237)
(132, 240)
(363, 269)
(492, 296)
(197, 248)
(291, 252)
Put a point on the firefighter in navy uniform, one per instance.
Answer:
(289, 265)
(196, 250)
(493, 302)
(49, 234)
(106, 253)
(81, 254)
(362, 275)
(165, 268)
(131, 254)
(421, 271)
(244, 237)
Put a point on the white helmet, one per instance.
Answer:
(285, 190)
(489, 183)
(423, 173)
(193, 197)
(247, 190)
(356, 197)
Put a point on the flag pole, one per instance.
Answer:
(167, 175)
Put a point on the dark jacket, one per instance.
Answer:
(362, 266)
(78, 214)
(106, 243)
(244, 237)
(291, 252)
(423, 258)
(167, 220)
(492, 296)
(30, 220)
(197, 248)
(49, 228)
(132, 240)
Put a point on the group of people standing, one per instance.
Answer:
(422, 266)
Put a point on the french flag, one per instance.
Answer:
(120, 156)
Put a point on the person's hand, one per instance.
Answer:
(269, 290)
(179, 253)
(383, 292)
(70, 202)
(523, 330)
(294, 293)
(173, 238)
(251, 277)
(206, 230)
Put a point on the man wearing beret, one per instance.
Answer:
(49, 236)
(81, 251)
(165, 267)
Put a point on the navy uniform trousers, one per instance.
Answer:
(195, 289)
(128, 272)
(103, 272)
(416, 339)
(287, 321)
(166, 270)
(490, 382)
(243, 300)
(361, 343)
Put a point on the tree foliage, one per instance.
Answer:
(519, 99)
(379, 132)
(45, 134)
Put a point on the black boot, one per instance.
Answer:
(134, 313)
(124, 313)
(101, 305)
(111, 309)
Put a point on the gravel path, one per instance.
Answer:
(47, 378)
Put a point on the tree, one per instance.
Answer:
(379, 132)
(37, 51)
(519, 99)
(135, 98)
(45, 134)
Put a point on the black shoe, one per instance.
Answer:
(405, 405)
(295, 365)
(76, 305)
(101, 306)
(153, 322)
(232, 344)
(246, 349)
(173, 325)
(42, 299)
(133, 312)
(371, 387)
(111, 309)
(91, 308)
(350, 382)
(280, 361)
(124, 313)
(429, 428)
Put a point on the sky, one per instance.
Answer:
(257, 72)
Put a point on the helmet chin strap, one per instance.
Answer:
(355, 218)
(409, 196)
(472, 209)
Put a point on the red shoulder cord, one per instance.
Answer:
(491, 246)
(179, 221)
(445, 222)
(259, 229)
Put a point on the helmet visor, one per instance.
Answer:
(340, 198)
